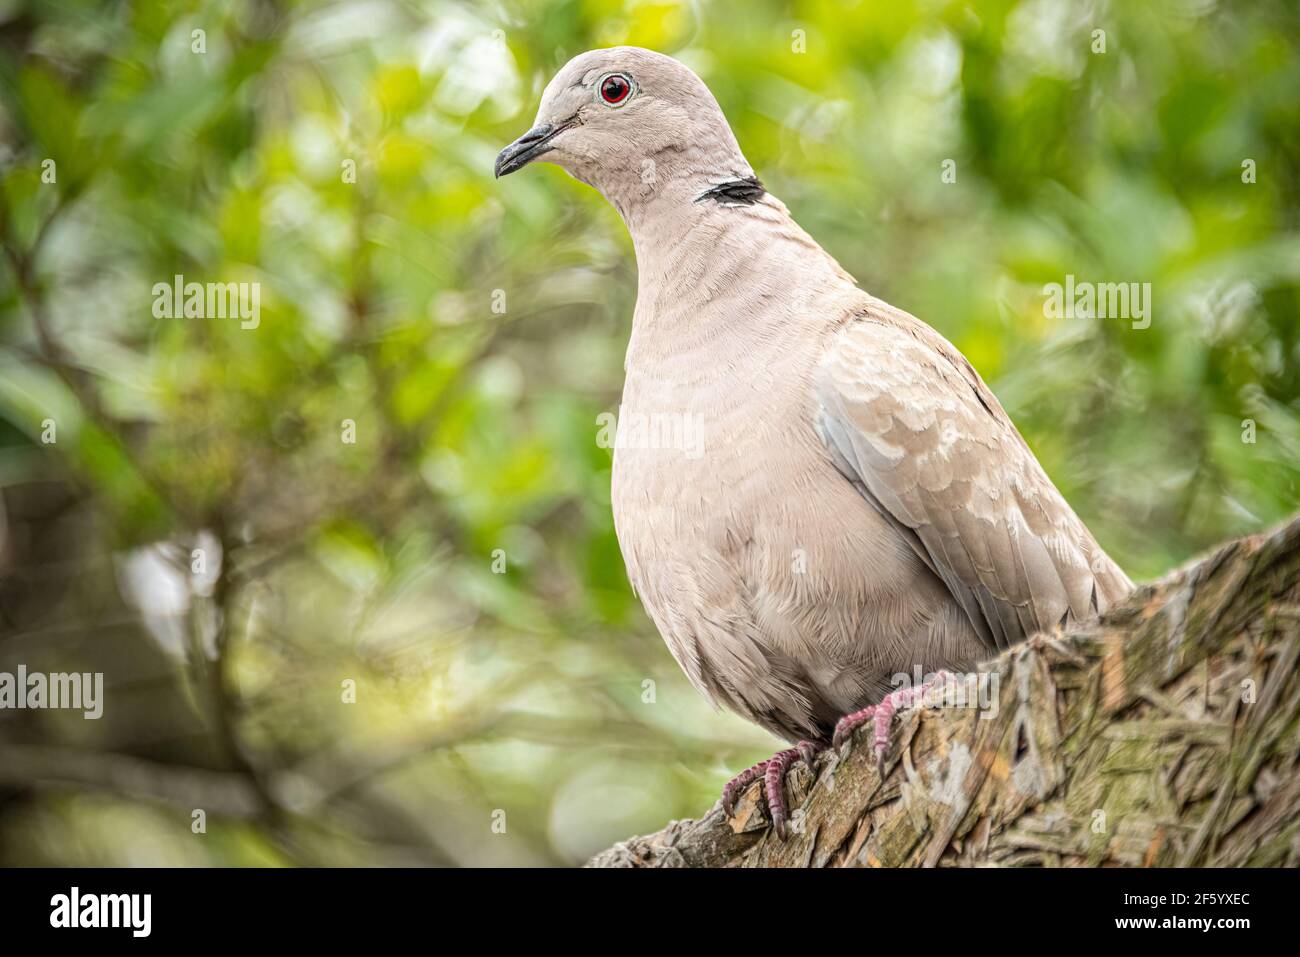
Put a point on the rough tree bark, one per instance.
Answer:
(1168, 733)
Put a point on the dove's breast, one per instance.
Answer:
(782, 594)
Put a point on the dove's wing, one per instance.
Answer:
(910, 422)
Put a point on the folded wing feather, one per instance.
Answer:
(909, 421)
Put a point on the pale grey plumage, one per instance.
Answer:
(862, 505)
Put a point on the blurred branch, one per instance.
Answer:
(22, 262)
(216, 792)
(1167, 734)
(51, 352)
(223, 697)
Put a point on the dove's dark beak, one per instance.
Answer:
(528, 147)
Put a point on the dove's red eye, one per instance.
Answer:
(614, 89)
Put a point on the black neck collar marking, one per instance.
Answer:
(735, 192)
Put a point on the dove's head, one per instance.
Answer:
(632, 123)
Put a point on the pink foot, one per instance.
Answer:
(882, 715)
(773, 772)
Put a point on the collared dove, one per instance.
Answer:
(856, 505)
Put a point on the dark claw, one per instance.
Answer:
(776, 809)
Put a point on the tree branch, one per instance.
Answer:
(219, 792)
(1168, 733)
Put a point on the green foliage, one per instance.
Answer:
(523, 687)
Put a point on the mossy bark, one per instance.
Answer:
(1167, 733)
